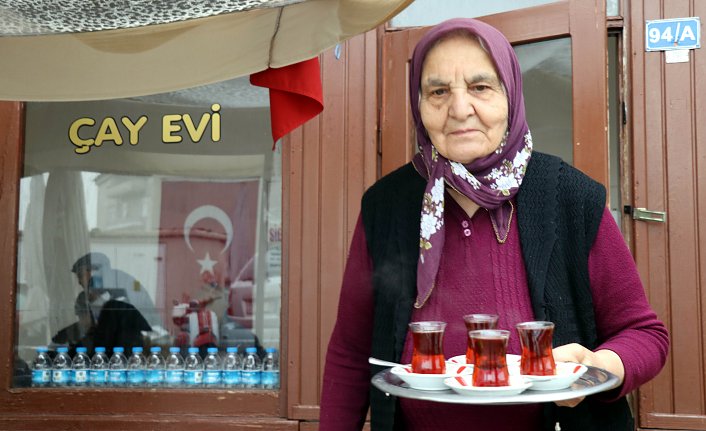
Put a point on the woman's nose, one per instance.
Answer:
(461, 105)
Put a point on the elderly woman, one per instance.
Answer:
(478, 223)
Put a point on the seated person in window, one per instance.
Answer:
(105, 317)
(101, 278)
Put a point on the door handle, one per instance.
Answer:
(643, 214)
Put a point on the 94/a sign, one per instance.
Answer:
(669, 34)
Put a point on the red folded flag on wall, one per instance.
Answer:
(295, 94)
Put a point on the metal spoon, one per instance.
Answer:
(376, 361)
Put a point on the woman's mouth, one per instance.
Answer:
(463, 132)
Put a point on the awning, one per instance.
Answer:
(78, 50)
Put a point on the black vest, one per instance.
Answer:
(559, 210)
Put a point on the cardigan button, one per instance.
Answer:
(467, 232)
(464, 223)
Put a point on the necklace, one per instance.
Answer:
(509, 222)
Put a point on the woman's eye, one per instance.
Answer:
(480, 88)
(438, 92)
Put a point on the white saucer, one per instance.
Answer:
(566, 374)
(431, 382)
(463, 385)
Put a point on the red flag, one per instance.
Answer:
(207, 242)
(295, 94)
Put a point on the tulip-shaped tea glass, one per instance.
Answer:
(428, 354)
(536, 341)
(475, 322)
(489, 349)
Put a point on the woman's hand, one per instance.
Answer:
(605, 359)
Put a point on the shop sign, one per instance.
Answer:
(673, 34)
(87, 132)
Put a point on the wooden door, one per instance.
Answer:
(582, 21)
(669, 156)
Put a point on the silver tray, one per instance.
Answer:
(593, 381)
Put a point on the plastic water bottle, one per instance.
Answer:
(154, 374)
(41, 368)
(81, 367)
(117, 367)
(193, 368)
(252, 369)
(174, 373)
(136, 367)
(212, 367)
(232, 365)
(99, 367)
(270, 369)
(61, 376)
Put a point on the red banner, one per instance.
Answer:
(295, 94)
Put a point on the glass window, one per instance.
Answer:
(614, 127)
(612, 7)
(430, 12)
(150, 222)
(546, 77)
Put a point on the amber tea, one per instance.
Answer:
(428, 354)
(475, 322)
(536, 340)
(490, 347)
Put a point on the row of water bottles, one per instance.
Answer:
(231, 370)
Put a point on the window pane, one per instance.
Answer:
(612, 7)
(614, 127)
(150, 222)
(546, 74)
(430, 12)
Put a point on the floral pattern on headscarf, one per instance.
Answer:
(491, 181)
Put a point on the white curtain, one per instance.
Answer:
(65, 239)
(34, 308)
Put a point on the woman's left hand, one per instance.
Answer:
(605, 359)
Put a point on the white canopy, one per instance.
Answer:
(78, 50)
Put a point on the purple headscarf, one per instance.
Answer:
(490, 181)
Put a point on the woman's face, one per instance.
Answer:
(463, 106)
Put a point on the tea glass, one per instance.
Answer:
(428, 353)
(475, 322)
(537, 358)
(489, 348)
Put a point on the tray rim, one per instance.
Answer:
(595, 380)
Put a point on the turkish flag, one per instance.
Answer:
(207, 240)
(295, 94)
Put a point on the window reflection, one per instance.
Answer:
(546, 80)
(167, 234)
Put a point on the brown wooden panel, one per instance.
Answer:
(396, 146)
(11, 135)
(83, 401)
(699, 131)
(676, 422)
(670, 175)
(683, 284)
(331, 160)
(590, 95)
(310, 253)
(292, 191)
(650, 238)
(121, 423)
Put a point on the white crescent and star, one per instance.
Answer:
(217, 214)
